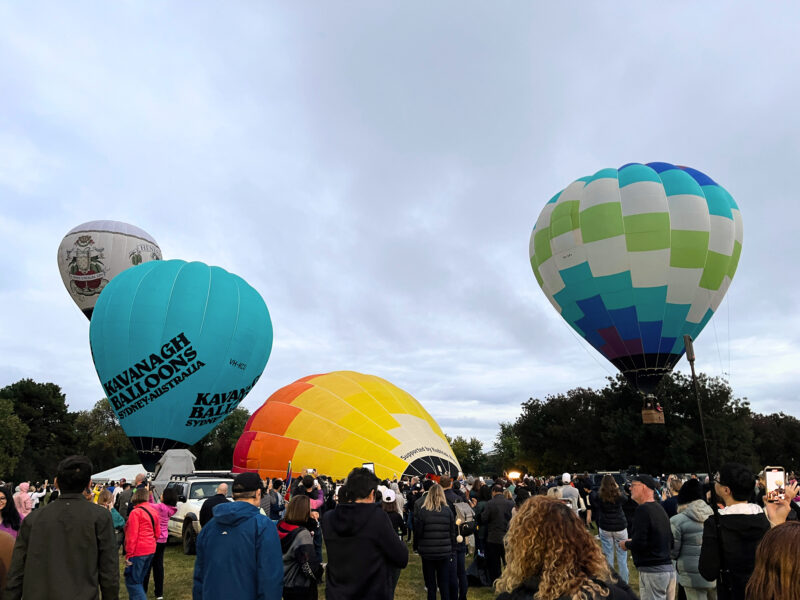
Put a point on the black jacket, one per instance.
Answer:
(527, 590)
(496, 517)
(434, 533)
(651, 539)
(362, 551)
(740, 537)
(206, 513)
(609, 515)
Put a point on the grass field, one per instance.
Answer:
(179, 569)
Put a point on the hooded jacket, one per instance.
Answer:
(687, 536)
(239, 547)
(22, 500)
(362, 551)
(741, 530)
(165, 511)
(301, 569)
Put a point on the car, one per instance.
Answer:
(193, 489)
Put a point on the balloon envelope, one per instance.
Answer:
(92, 254)
(177, 346)
(339, 421)
(636, 257)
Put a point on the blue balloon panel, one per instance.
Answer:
(177, 346)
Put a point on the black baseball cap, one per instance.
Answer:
(647, 480)
(247, 482)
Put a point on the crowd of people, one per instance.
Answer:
(529, 537)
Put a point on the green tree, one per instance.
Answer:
(12, 441)
(469, 453)
(215, 451)
(51, 434)
(586, 429)
(102, 439)
(777, 441)
(505, 454)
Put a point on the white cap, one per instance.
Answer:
(565, 478)
(387, 495)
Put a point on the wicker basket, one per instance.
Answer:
(651, 416)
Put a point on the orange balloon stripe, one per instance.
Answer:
(273, 417)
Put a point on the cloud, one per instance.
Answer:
(375, 172)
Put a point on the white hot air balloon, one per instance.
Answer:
(92, 254)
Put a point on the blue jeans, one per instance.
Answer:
(609, 541)
(135, 574)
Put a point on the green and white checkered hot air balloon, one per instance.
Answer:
(635, 258)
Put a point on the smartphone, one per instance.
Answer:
(776, 481)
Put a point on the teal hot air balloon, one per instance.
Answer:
(177, 346)
(636, 257)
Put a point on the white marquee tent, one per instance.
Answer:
(129, 472)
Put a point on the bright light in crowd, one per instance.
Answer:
(514, 474)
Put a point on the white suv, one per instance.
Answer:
(192, 491)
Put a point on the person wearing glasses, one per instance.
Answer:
(651, 542)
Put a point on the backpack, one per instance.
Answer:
(465, 519)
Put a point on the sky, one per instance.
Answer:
(375, 170)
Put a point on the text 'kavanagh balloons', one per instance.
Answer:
(636, 257)
(177, 346)
(339, 421)
(92, 254)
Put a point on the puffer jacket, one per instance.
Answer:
(687, 536)
(435, 533)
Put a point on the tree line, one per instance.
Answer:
(38, 430)
(579, 430)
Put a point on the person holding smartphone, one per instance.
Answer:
(741, 526)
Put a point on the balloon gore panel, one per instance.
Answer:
(177, 346)
(635, 258)
(338, 421)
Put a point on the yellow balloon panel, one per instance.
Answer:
(339, 421)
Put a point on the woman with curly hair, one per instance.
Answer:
(551, 556)
(777, 569)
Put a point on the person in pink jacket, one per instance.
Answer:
(22, 499)
(165, 509)
(141, 532)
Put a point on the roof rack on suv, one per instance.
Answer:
(201, 475)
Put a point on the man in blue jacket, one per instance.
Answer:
(238, 551)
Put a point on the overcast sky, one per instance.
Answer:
(374, 170)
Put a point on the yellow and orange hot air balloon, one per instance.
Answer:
(341, 420)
